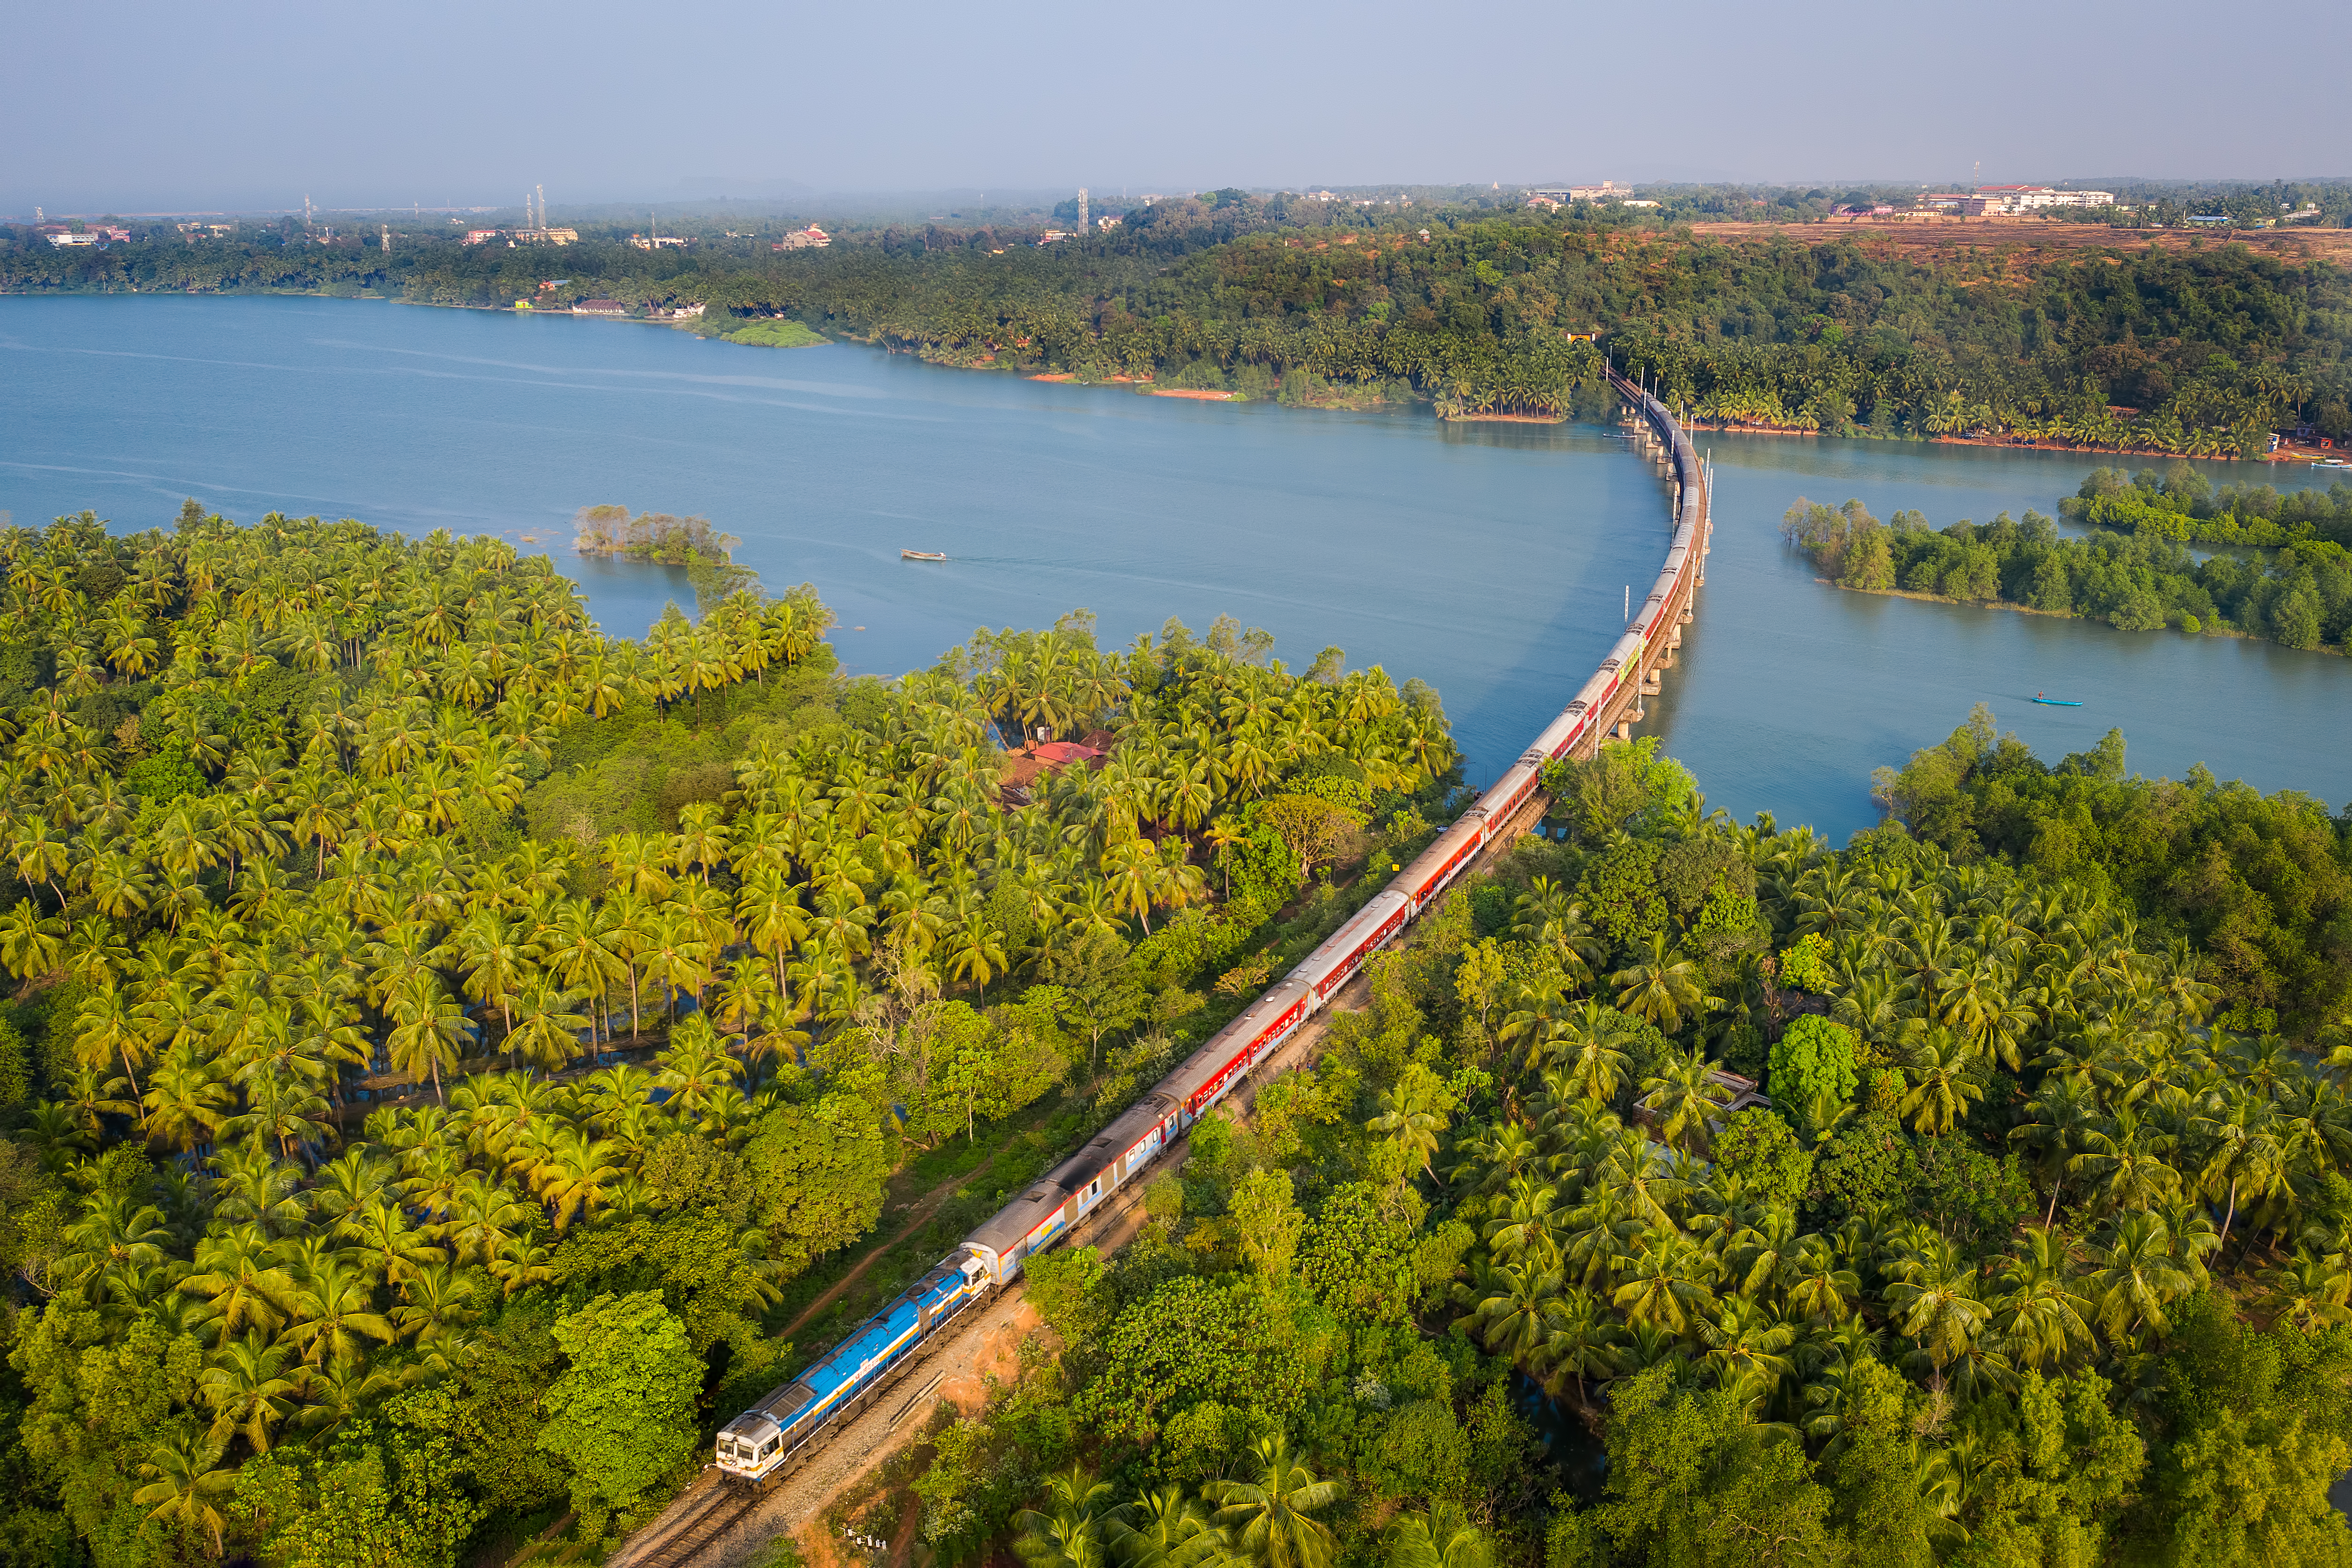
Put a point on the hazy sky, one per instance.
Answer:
(141, 106)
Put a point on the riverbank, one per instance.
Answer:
(2004, 442)
(2203, 629)
(1490, 558)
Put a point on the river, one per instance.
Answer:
(1489, 560)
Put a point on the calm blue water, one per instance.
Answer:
(1795, 690)
(1490, 561)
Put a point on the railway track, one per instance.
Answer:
(712, 1519)
(702, 1524)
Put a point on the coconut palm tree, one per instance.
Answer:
(1270, 1521)
(189, 1485)
(427, 1029)
(1662, 986)
(2124, 1163)
(1683, 1095)
(1072, 1529)
(1161, 1529)
(1941, 1085)
(2065, 1113)
(2134, 1276)
(2037, 1309)
(335, 1316)
(1442, 1538)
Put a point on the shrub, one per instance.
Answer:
(1758, 1145)
(1805, 966)
(1812, 1058)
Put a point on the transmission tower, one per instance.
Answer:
(1082, 209)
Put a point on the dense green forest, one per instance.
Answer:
(427, 1004)
(2300, 594)
(2040, 1256)
(445, 1034)
(2197, 352)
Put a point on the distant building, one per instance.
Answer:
(1633, 204)
(1111, 220)
(809, 238)
(600, 308)
(2033, 198)
(1541, 200)
(1051, 235)
(69, 237)
(2008, 201)
(481, 235)
(1606, 191)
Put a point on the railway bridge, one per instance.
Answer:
(1656, 622)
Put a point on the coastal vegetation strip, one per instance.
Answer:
(2204, 352)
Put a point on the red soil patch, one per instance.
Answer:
(1923, 237)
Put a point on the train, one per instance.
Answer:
(769, 1438)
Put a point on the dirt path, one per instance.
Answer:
(916, 1217)
(986, 1344)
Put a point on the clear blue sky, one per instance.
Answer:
(143, 106)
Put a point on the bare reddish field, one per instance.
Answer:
(1923, 240)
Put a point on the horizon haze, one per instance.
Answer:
(251, 106)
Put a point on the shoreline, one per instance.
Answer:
(2204, 630)
(2004, 442)
(2293, 458)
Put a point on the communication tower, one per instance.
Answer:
(1082, 209)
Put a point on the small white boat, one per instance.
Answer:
(923, 555)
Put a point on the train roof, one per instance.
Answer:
(1203, 1066)
(1131, 1128)
(1006, 1228)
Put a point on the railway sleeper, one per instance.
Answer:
(818, 1441)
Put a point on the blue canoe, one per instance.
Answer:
(2056, 703)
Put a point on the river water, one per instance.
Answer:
(1489, 560)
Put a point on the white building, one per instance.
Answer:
(1606, 191)
(2033, 198)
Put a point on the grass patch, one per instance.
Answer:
(782, 332)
